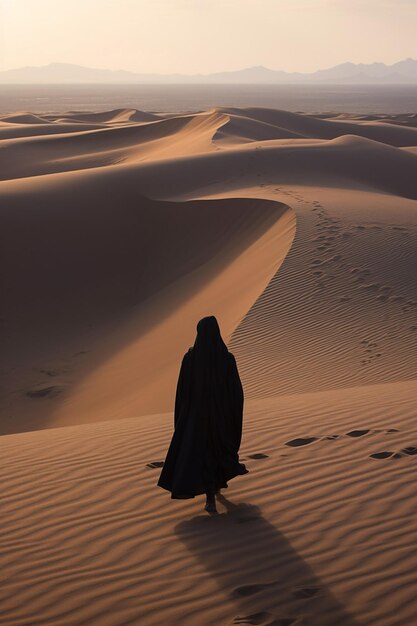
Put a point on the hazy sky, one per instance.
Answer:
(191, 36)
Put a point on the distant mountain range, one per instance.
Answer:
(403, 72)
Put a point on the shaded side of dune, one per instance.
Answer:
(101, 265)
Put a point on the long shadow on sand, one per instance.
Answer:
(259, 569)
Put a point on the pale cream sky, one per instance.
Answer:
(192, 36)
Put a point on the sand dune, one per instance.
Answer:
(13, 131)
(117, 115)
(23, 118)
(119, 230)
(320, 533)
(80, 306)
(83, 149)
(309, 126)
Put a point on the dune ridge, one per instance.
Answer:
(119, 230)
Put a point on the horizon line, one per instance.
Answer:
(224, 71)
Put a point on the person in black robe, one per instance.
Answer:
(204, 451)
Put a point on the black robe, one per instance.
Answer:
(204, 451)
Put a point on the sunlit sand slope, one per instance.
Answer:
(118, 238)
(322, 530)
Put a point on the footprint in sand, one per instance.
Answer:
(301, 441)
(361, 273)
(258, 455)
(255, 618)
(371, 287)
(44, 392)
(365, 431)
(386, 455)
(50, 372)
(305, 441)
(381, 455)
(358, 433)
(369, 346)
(408, 451)
(265, 618)
(306, 592)
(250, 590)
(155, 464)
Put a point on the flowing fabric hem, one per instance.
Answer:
(200, 492)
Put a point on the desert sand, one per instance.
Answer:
(119, 230)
